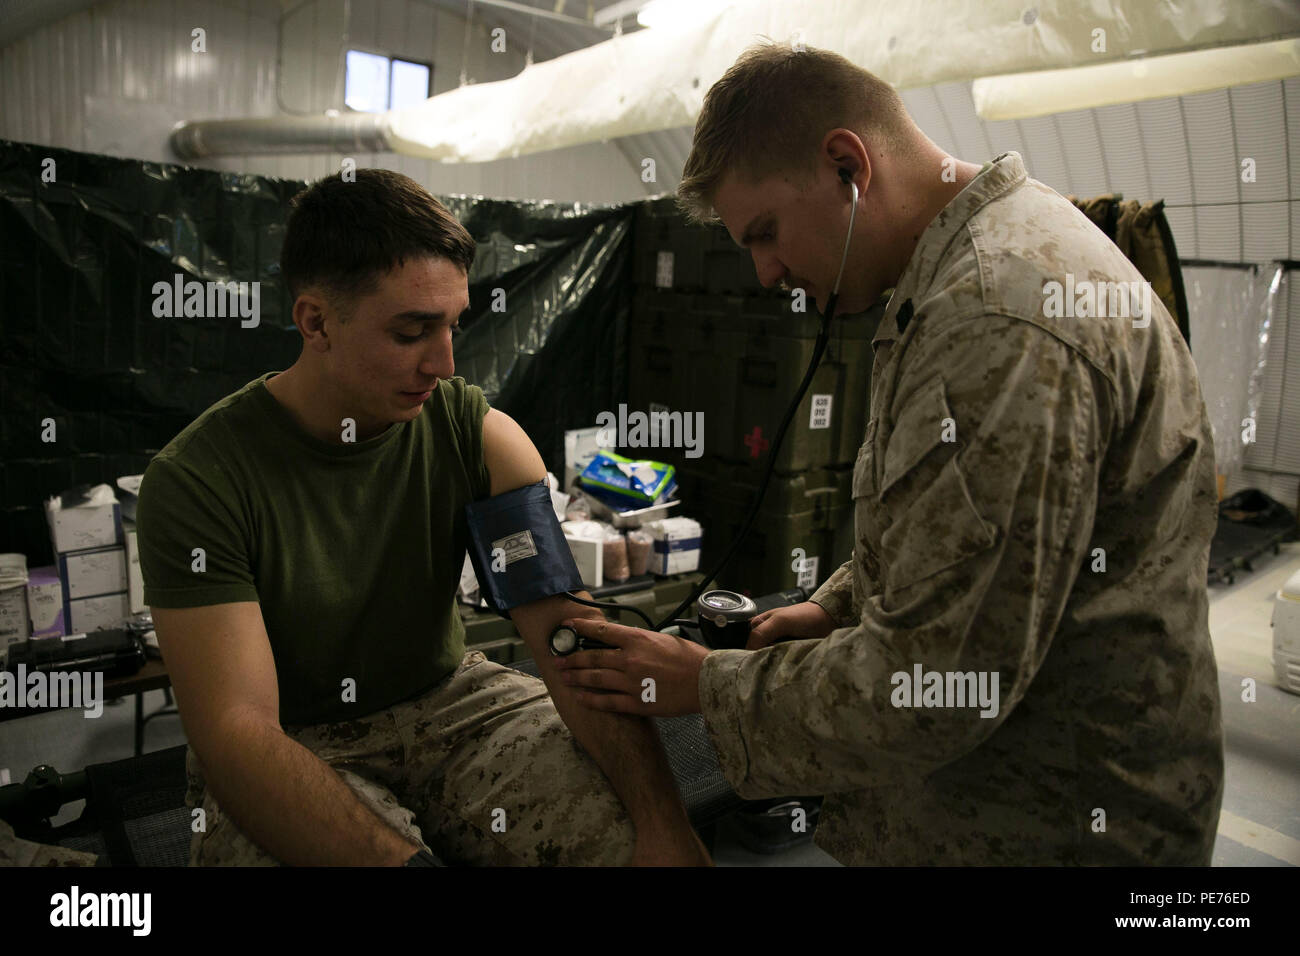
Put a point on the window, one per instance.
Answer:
(374, 83)
(410, 84)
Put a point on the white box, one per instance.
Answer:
(96, 525)
(128, 493)
(134, 579)
(579, 449)
(14, 622)
(96, 613)
(589, 556)
(676, 547)
(87, 573)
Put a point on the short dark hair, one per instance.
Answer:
(769, 112)
(343, 235)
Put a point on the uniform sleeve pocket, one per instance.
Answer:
(919, 430)
(864, 471)
(935, 522)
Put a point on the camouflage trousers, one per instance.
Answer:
(480, 770)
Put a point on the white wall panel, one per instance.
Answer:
(1217, 232)
(1085, 154)
(923, 106)
(1259, 122)
(1295, 229)
(1262, 225)
(1291, 123)
(1005, 135)
(1208, 123)
(133, 75)
(971, 142)
(1043, 141)
(1124, 149)
(1164, 139)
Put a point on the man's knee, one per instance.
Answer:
(218, 841)
(546, 803)
(600, 835)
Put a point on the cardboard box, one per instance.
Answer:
(96, 524)
(96, 613)
(676, 547)
(45, 602)
(97, 571)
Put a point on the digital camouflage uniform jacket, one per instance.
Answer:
(1035, 499)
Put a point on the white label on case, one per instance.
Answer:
(820, 416)
(808, 576)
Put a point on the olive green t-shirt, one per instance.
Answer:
(354, 551)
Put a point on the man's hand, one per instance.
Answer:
(804, 620)
(646, 672)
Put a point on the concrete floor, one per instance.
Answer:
(1259, 825)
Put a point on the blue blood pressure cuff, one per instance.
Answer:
(517, 548)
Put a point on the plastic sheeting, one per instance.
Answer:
(549, 348)
(656, 79)
(1233, 309)
(80, 343)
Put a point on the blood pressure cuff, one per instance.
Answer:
(517, 548)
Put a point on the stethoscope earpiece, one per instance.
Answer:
(853, 212)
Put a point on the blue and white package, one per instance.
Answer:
(627, 483)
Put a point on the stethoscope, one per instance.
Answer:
(724, 615)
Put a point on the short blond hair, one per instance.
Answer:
(769, 113)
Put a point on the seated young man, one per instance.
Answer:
(301, 544)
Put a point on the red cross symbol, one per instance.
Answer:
(756, 442)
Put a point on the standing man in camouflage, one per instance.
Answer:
(1015, 667)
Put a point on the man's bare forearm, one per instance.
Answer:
(294, 806)
(625, 747)
(628, 750)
